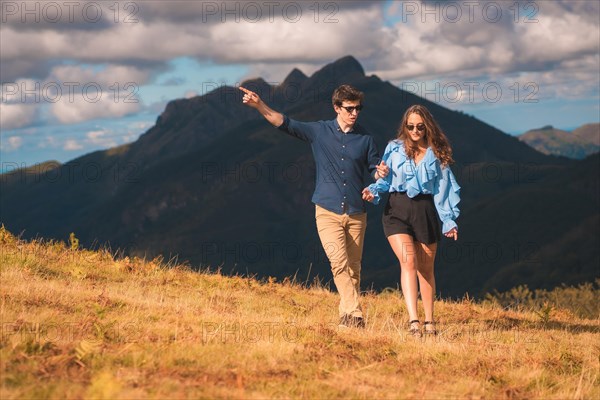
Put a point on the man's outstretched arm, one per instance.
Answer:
(253, 100)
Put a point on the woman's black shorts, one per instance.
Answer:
(416, 217)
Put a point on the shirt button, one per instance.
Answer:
(342, 172)
(342, 158)
(343, 146)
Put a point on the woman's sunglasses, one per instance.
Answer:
(420, 127)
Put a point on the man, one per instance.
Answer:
(343, 151)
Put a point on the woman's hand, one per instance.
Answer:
(452, 233)
(367, 195)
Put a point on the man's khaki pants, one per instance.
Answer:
(342, 237)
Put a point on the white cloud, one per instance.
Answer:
(141, 125)
(101, 138)
(473, 44)
(284, 42)
(556, 38)
(23, 91)
(14, 116)
(121, 43)
(107, 77)
(48, 141)
(83, 138)
(95, 136)
(160, 40)
(72, 145)
(12, 143)
(73, 94)
(478, 45)
(84, 109)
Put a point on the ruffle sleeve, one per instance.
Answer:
(383, 185)
(446, 198)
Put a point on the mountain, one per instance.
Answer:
(589, 132)
(578, 144)
(214, 184)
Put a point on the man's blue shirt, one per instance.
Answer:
(341, 161)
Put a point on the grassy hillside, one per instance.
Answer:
(83, 324)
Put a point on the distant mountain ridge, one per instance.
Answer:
(578, 144)
(215, 184)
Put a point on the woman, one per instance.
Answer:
(420, 183)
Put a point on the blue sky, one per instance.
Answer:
(78, 77)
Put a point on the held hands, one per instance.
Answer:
(452, 233)
(250, 98)
(367, 195)
(382, 170)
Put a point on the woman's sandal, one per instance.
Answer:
(414, 331)
(432, 330)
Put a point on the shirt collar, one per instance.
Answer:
(339, 129)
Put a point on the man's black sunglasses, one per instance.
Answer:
(350, 109)
(420, 127)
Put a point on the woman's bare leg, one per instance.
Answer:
(405, 249)
(424, 265)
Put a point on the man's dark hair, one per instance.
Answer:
(346, 93)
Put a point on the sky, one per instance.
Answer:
(79, 76)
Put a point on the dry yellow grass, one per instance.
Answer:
(82, 324)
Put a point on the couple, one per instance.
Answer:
(414, 170)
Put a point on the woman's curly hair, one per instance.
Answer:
(435, 137)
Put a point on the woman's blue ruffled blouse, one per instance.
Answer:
(428, 177)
